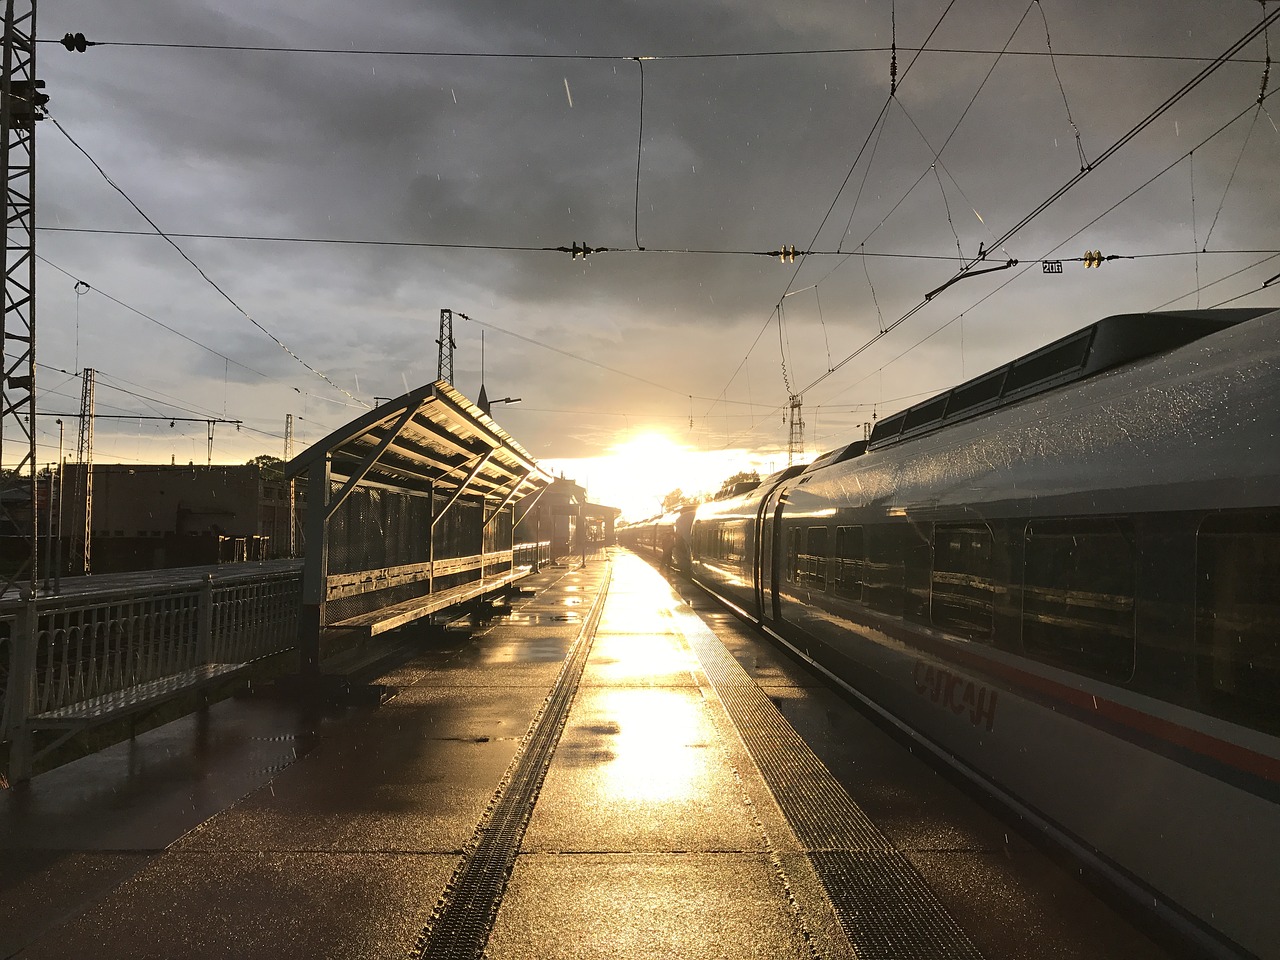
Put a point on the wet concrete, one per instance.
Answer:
(258, 831)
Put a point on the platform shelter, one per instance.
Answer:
(411, 510)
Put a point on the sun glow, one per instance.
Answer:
(644, 467)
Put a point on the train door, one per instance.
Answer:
(767, 579)
(763, 559)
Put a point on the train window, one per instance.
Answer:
(812, 564)
(884, 571)
(917, 569)
(736, 542)
(1238, 616)
(963, 592)
(847, 575)
(1078, 595)
(793, 554)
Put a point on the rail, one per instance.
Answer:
(96, 655)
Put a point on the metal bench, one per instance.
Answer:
(397, 615)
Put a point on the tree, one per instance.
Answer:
(742, 476)
(271, 468)
(674, 500)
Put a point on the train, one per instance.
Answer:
(1062, 579)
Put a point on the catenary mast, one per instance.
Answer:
(21, 105)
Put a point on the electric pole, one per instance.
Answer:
(84, 477)
(444, 371)
(293, 486)
(21, 105)
(795, 437)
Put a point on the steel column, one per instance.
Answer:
(315, 566)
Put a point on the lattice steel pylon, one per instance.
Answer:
(444, 371)
(21, 105)
(795, 436)
(293, 486)
(84, 476)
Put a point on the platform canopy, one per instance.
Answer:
(432, 438)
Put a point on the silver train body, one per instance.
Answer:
(1063, 579)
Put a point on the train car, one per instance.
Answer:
(1063, 579)
(652, 538)
(664, 538)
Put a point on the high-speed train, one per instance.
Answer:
(1063, 579)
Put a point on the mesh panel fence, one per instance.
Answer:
(380, 529)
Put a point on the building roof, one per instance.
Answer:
(430, 437)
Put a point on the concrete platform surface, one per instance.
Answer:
(567, 780)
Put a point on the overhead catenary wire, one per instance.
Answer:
(581, 359)
(1223, 279)
(1048, 41)
(622, 57)
(1061, 191)
(639, 150)
(1268, 254)
(226, 296)
(835, 200)
(104, 380)
(1234, 170)
(145, 316)
(933, 165)
(865, 253)
(1142, 125)
(481, 247)
(883, 330)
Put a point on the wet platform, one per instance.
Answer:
(615, 768)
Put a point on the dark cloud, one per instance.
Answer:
(743, 154)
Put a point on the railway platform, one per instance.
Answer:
(613, 767)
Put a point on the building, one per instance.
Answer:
(564, 516)
(150, 516)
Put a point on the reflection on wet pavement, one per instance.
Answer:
(263, 833)
(654, 745)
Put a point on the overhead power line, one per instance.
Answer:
(1173, 98)
(144, 316)
(226, 296)
(619, 57)
(1149, 119)
(577, 251)
(1267, 255)
(777, 309)
(581, 359)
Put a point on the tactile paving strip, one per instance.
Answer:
(463, 917)
(886, 909)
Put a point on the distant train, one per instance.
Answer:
(1063, 579)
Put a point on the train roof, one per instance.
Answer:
(838, 455)
(1104, 345)
(786, 473)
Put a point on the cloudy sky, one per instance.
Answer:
(426, 165)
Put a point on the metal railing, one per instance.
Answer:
(532, 555)
(108, 650)
(94, 655)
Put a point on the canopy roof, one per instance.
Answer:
(431, 436)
